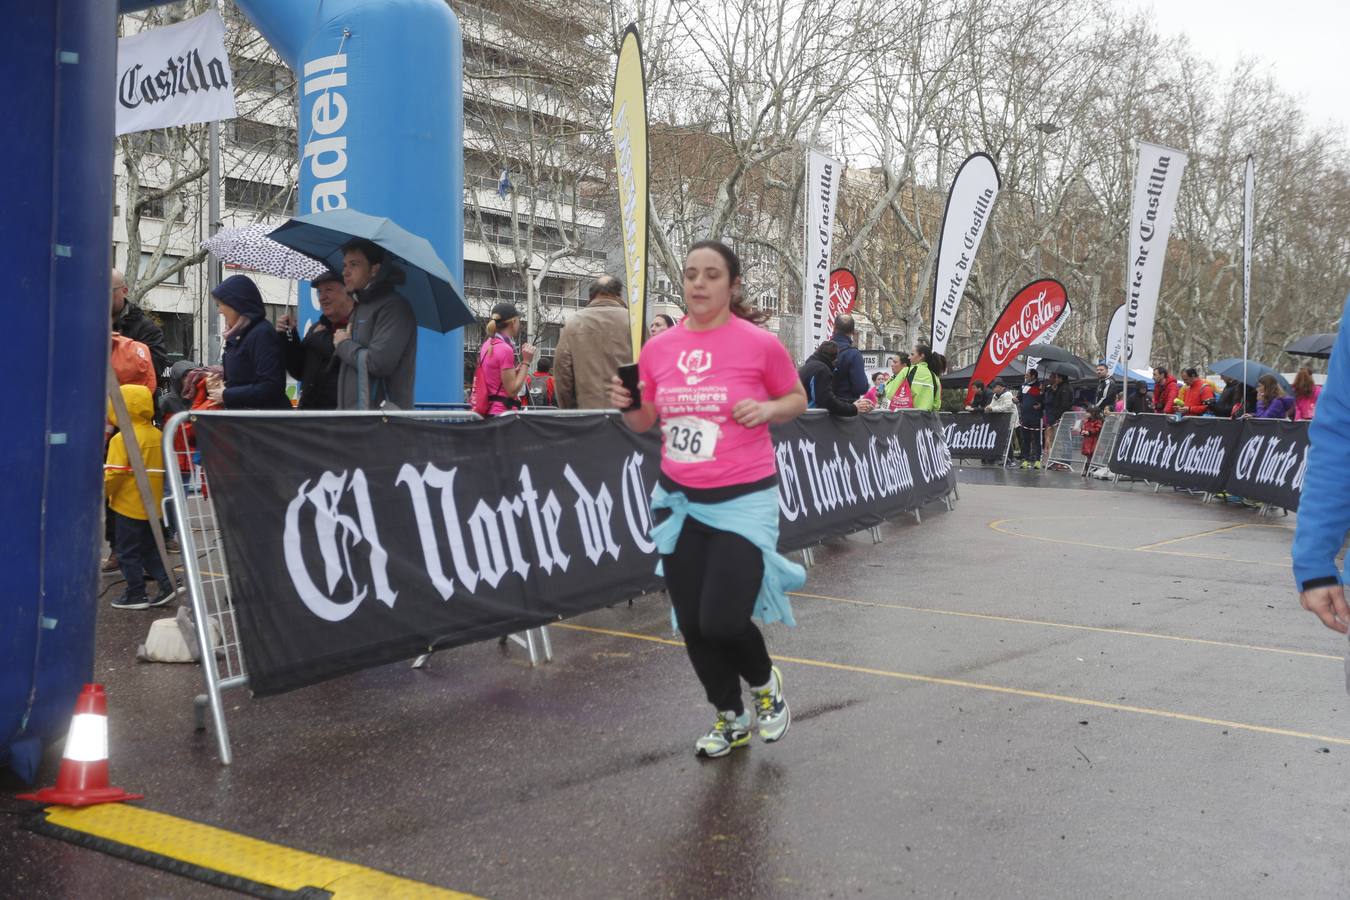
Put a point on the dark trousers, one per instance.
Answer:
(137, 555)
(1031, 443)
(713, 578)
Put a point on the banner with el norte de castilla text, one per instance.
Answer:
(969, 202)
(1029, 314)
(628, 124)
(175, 75)
(977, 435)
(1115, 338)
(1157, 182)
(822, 195)
(365, 540)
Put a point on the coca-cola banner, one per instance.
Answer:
(843, 294)
(1197, 452)
(1029, 314)
(977, 435)
(353, 541)
(1270, 462)
(174, 75)
(969, 202)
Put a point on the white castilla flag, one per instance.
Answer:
(1051, 333)
(972, 196)
(822, 195)
(1115, 338)
(174, 75)
(1156, 184)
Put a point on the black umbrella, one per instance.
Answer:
(1315, 345)
(1057, 359)
(960, 378)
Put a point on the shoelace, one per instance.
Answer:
(765, 701)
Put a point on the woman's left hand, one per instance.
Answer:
(751, 413)
(341, 335)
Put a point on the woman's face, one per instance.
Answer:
(895, 365)
(658, 325)
(707, 284)
(878, 379)
(511, 327)
(229, 312)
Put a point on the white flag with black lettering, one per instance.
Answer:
(174, 75)
(822, 193)
(1115, 338)
(1156, 184)
(972, 196)
(1248, 192)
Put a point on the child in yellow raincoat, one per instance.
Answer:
(133, 540)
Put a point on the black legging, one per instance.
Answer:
(713, 578)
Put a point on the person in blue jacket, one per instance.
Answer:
(1324, 507)
(254, 357)
(850, 373)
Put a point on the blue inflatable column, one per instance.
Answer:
(381, 130)
(57, 234)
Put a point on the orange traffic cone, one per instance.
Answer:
(83, 779)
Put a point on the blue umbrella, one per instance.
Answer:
(435, 296)
(1232, 368)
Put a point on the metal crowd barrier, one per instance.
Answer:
(206, 572)
(1067, 447)
(1106, 445)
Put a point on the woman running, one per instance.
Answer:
(715, 384)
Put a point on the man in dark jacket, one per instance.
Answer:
(817, 375)
(980, 399)
(255, 369)
(311, 360)
(382, 334)
(129, 320)
(1107, 390)
(1032, 412)
(850, 373)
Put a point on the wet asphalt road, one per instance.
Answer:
(945, 738)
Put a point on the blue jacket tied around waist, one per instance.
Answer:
(755, 518)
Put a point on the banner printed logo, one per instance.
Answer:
(969, 202)
(175, 75)
(1030, 313)
(843, 295)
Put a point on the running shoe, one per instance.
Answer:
(728, 732)
(771, 709)
(1026, 464)
(1036, 464)
(125, 602)
(167, 594)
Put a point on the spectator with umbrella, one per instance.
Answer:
(255, 370)
(399, 284)
(1236, 400)
(312, 360)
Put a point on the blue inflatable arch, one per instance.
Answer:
(380, 129)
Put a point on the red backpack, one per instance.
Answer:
(479, 399)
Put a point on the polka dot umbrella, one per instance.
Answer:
(249, 247)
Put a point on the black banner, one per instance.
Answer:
(354, 541)
(1270, 462)
(1195, 453)
(977, 435)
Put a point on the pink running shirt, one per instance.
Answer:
(694, 379)
(500, 355)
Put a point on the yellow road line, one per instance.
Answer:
(1098, 628)
(997, 689)
(1191, 537)
(229, 853)
(997, 523)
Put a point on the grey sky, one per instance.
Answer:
(1301, 42)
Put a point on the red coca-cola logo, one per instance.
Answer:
(1037, 315)
(843, 293)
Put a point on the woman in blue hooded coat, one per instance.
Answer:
(254, 358)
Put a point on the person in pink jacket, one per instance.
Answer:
(1306, 392)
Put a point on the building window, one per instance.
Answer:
(167, 261)
(259, 195)
(157, 208)
(252, 135)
